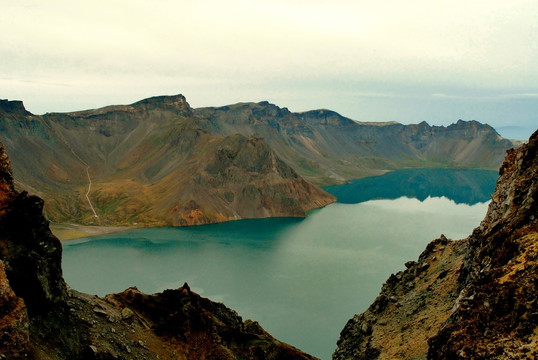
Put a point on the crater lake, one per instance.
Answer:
(301, 279)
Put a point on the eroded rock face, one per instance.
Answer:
(468, 299)
(244, 178)
(14, 325)
(497, 316)
(31, 254)
(13, 107)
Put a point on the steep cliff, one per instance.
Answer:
(468, 299)
(41, 318)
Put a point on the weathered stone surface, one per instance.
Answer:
(14, 324)
(468, 299)
(497, 315)
(31, 254)
(126, 313)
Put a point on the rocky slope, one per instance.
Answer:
(42, 318)
(468, 299)
(327, 148)
(151, 164)
(160, 162)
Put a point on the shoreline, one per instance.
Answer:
(67, 231)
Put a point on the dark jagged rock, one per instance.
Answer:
(210, 329)
(13, 107)
(32, 255)
(468, 299)
(14, 333)
(40, 318)
(6, 173)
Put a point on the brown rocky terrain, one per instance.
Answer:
(42, 318)
(159, 162)
(150, 164)
(468, 299)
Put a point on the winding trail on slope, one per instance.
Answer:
(89, 188)
(89, 179)
(62, 139)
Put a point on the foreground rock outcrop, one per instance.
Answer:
(42, 318)
(468, 299)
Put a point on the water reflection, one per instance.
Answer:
(464, 186)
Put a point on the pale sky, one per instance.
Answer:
(386, 60)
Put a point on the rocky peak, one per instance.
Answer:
(326, 117)
(496, 313)
(265, 109)
(472, 127)
(175, 103)
(515, 200)
(251, 154)
(13, 107)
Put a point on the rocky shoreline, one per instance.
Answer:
(65, 232)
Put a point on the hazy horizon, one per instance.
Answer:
(386, 61)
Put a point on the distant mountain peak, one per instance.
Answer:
(326, 117)
(13, 107)
(165, 102)
(471, 124)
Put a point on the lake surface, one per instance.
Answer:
(302, 279)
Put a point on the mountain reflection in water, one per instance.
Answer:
(464, 186)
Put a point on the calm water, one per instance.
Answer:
(302, 279)
(463, 186)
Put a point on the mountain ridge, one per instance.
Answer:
(147, 161)
(327, 148)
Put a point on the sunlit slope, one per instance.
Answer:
(150, 164)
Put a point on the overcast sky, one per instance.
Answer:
(387, 60)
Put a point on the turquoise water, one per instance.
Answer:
(302, 279)
(464, 186)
